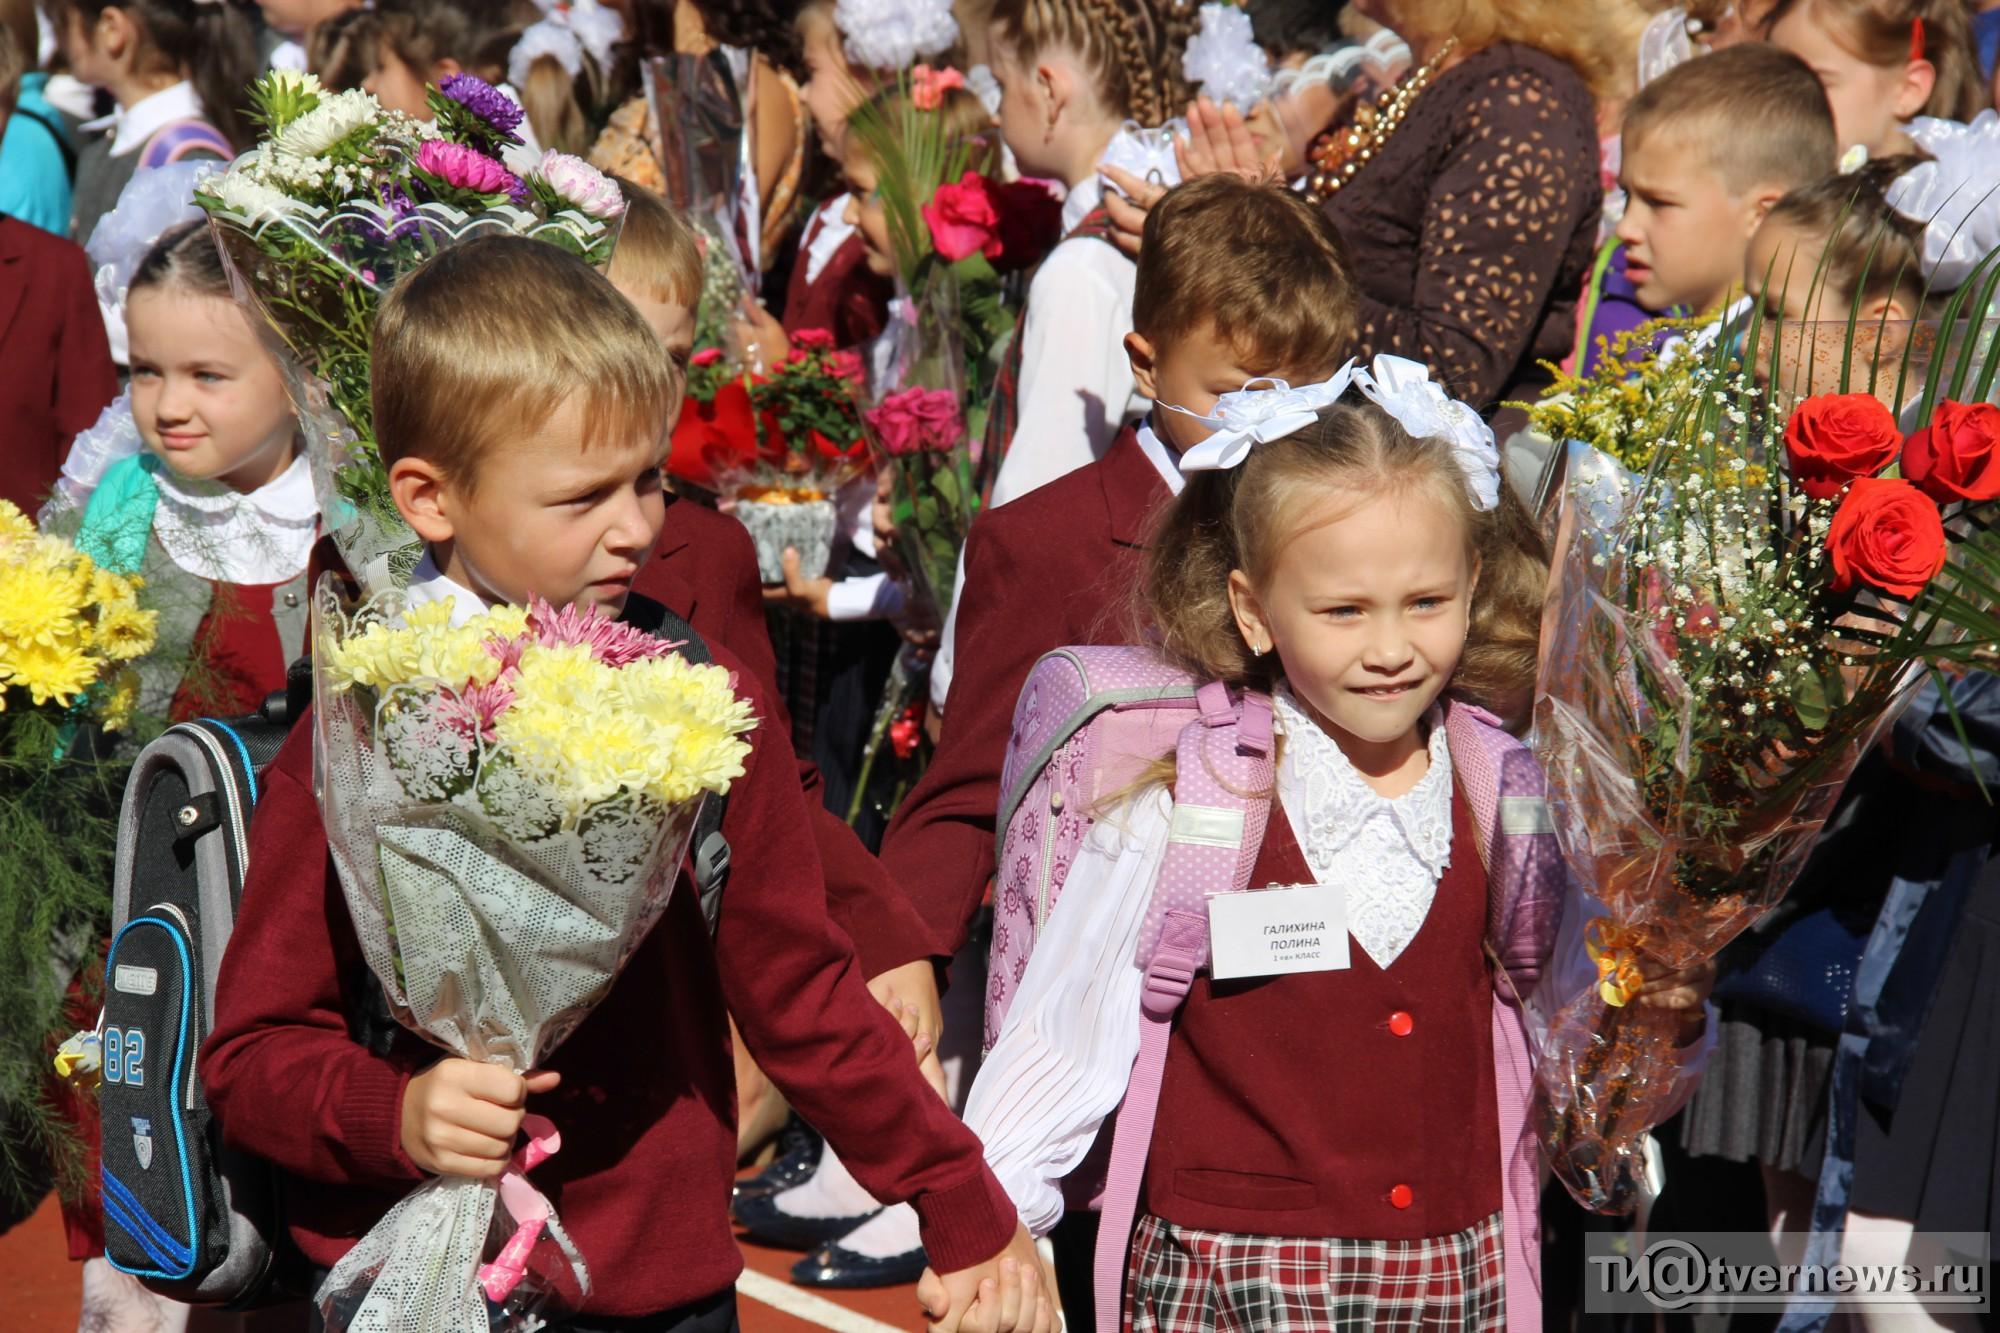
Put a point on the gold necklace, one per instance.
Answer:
(1342, 153)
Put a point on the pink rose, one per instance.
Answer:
(963, 220)
(707, 356)
(928, 86)
(812, 338)
(938, 422)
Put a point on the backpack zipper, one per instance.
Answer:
(194, 1011)
(1048, 851)
(226, 783)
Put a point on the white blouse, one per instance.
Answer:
(1065, 1051)
(260, 536)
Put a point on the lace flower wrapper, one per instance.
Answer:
(496, 910)
(1641, 813)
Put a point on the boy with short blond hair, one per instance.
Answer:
(544, 481)
(657, 267)
(1708, 148)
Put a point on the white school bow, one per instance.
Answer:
(1267, 409)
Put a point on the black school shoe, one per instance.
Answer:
(799, 1150)
(831, 1266)
(768, 1224)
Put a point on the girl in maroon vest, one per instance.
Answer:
(216, 511)
(1328, 1151)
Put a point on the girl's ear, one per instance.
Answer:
(115, 34)
(1919, 80)
(1248, 608)
(1057, 87)
(1893, 309)
(418, 487)
(444, 69)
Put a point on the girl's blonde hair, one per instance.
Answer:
(1242, 518)
(1884, 33)
(1132, 48)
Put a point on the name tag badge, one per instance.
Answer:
(1277, 931)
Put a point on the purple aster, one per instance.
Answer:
(483, 100)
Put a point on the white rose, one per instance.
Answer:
(328, 123)
(590, 190)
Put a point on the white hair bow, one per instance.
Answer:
(1268, 409)
(1263, 410)
(1404, 390)
(566, 31)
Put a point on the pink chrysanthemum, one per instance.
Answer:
(611, 642)
(476, 710)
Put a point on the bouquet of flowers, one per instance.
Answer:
(508, 800)
(338, 201)
(704, 158)
(1747, 586)
(69, 633)
(963, 244)
(811, 447)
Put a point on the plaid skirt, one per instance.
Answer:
(1187, 1281)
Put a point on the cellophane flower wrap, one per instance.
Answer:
(811, 445)
(508, 801)
(1744, 596)
(336, 203)
(699, 105)
(70, 632)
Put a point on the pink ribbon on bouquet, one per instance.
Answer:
(526, 1204)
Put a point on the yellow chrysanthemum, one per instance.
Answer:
(125, 633)
(14, 524)
(424, 647)
(57, 671)
(120, 701)
(39, 600)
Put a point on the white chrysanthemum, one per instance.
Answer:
(328, 123)
(251, 199)
(293, 83)
(894, 34)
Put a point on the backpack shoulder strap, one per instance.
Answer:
(1223, 789)
(172, 142)
(1504, 784)
(708, 850)
(118, 520)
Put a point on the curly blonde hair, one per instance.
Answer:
(1576, 34)
(1242, 518)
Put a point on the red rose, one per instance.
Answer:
(1886, 534)
(813, 338)
(1954, 458)
(1030, 223)
(963, 220)
(1833, 438)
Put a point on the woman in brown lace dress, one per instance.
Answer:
(778, 125)
(1472, 220)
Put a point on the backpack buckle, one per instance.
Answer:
(711, 861)
(1169, 977)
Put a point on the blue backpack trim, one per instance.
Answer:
(150, 1233)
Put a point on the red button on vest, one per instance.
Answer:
(1401, 1197)
(1402, 1024)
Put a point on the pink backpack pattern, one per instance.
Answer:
(1088, 723)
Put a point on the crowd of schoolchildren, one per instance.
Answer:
(1480, 189)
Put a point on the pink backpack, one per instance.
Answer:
(1089, 722)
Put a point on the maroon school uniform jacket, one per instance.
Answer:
(704, 570)
(1055, 567)
(845, 299)
(55, 365)
(1357, 1103)
(646, 1105)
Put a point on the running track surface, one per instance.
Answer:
(40, 1286)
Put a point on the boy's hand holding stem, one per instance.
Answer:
(460, 1117)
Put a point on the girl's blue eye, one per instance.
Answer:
(1343, 612)
(1429, 603)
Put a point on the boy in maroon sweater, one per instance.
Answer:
(1236, 280)
(521, 405)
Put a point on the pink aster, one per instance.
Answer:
(468, 169)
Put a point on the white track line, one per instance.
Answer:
(802, 1304)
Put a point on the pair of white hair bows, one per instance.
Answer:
(1267, 409)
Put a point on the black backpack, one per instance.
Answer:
(191, 1218)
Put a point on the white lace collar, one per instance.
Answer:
(1385, 855)
(255, 537)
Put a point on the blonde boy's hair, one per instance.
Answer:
(490, 337)
(658, 253)
(1756, 113)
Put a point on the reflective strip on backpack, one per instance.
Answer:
(1525, 815)
(1206, 826)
